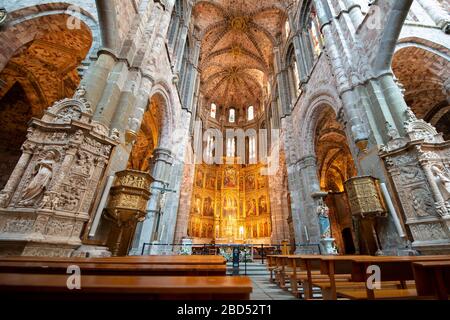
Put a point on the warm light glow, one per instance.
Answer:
(213, 110)
(232, 116)
(287, 28)
(250, 113)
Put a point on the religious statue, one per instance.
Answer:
(208, 208)
(230, 178)
(250, 183)
(199, 179)
(211, 182)
(324, 220)
(251, 208)
(197, 205)
(43, 174)
(262, 205)
(443, 181)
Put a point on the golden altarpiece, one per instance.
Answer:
(230, 204)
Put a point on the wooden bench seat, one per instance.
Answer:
(433, 278)
(383, 294)
(88, 268)
(347, 286)
(166, 260)
(54, 287)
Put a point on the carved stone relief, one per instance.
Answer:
(48, 196)
(419, 170)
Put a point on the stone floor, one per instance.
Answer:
(264, 290)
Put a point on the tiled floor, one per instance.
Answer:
(264, 290)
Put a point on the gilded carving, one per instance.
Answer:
(237, 209)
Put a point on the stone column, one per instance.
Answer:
(16, 175)
(161, 166)
(437, 13)
(308, 55)
(126, 101)
(193, 77)
(283, 87)
(97, 75)
(354, 10)
(181, 44)
(310, 184)
(104, 112)
(303, 182)
(127, 119)
(355, 118)
(395, 100)
(299, 55)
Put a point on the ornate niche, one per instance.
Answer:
(419, 167)
(127, 206)
(48, 197)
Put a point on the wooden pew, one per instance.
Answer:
(89, 268)
(395, 272)
(282, 270)
(164, 260)
(271, 266)
(54, 288)
(432, 278)
(276, 267)
(392, 269)
(305, 271)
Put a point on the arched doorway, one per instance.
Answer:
(424, 75)
(41, 72)
(335, 166)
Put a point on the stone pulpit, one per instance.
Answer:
(126, 207)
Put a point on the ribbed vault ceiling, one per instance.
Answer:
(238, 37)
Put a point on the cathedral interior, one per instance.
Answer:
(164, 127)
